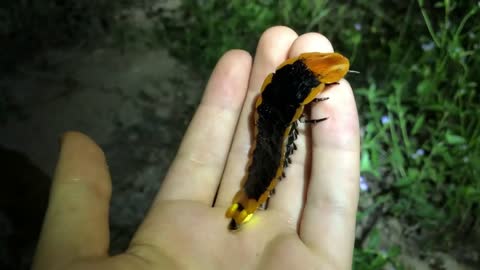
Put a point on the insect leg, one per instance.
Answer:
(316, 100)
(311, 121)
(264, 205)
(334, 83)
(292, 136)
(291, 147)
(314, 121)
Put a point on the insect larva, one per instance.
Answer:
(284, 94)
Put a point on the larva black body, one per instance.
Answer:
(295, 83)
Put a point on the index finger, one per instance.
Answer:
(198, 165)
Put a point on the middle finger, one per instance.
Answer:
(289, 197)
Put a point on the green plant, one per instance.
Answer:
(373, 256)
(204, 30)
(431, 141)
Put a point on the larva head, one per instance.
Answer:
(328, 67)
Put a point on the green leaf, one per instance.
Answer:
(418, 124)
(404, 182)
(394, 251)
(413, 173)
(454, 139)
(365, 164)
(397, 158)
(424, 87)
(447, 156)
(373, 239)
(370, 128)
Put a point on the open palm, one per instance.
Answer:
(309, 223)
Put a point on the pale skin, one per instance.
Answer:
(309, 223)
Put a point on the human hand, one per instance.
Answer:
(310, 221)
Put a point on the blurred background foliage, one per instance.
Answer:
(417, 93)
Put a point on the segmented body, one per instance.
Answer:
(280, 104)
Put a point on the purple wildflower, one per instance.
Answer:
(358, 26)
(363, 184)
(420, 152)
(385, 120)
(428, 46)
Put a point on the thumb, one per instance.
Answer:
(76, 222)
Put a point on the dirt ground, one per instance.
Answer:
(136, 106)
